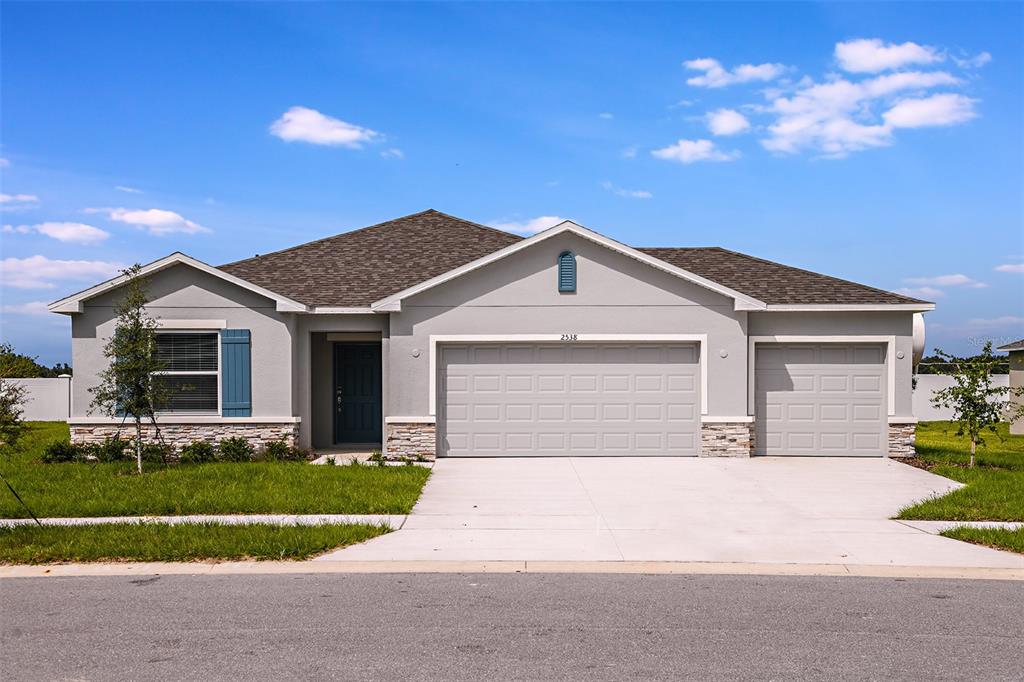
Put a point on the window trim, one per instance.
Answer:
(193, 330)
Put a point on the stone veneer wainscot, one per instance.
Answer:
(178, 434)
(726, 439)
(901, 440)
(410, 439)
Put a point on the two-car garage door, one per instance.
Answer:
(820, 399)
(524, 399)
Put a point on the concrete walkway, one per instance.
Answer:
(394, 521)
(763, 510)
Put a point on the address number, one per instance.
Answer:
(569, 337)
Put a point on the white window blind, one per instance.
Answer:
(189, 377)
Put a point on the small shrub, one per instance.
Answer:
(198, 452)
(156, 453)
(61, 452)
(377, 458)
(281, 451)
(111, 450)
(235, 449)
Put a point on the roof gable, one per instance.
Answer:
(74, 303)
(741, 300)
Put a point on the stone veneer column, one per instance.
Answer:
(417, 440)
(726, 439)
(901, 440)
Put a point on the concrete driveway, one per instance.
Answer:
(776, 510)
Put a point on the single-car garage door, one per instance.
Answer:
(820, 399)
(568, 399)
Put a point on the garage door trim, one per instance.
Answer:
(700, 339)
(890, 365)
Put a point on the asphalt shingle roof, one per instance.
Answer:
(356, 268)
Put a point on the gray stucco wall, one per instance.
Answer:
(615, 295)
(898, 324)
(184, 293)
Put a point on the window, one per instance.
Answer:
(567, 272)
(189, 377)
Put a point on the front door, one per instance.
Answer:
(357, 393)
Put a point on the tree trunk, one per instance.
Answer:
(974, 447)
(138, 444)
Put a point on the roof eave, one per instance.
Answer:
(920, 307)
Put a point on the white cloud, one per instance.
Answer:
(727, 122)
(628, 193)
(1005, 321)
(18, 199)
(926, 293)
(30, 308)
(838, 117)
(301, 124)
(129, 190)
(73, 233)
(393, 153)
(717, 76)
(630, 152)
(40, 272)
(4, 163)
(605, 115)
(945, 109)
(976, 62)
(155, 220)
(871, 55)
(528, 227)
(691, 151)
(1010, 267)
(956, 280)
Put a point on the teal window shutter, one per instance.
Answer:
(567, 272)
(235, 373)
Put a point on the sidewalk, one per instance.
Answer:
(393, 521)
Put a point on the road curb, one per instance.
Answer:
(619, 567)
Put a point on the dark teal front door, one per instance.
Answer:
(357, 393)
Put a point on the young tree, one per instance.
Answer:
(12, 398)
(126, 386)
(977, 405)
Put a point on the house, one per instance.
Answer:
(1016, 351)
(429, 335)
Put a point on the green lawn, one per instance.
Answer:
(999, 538)
(221, 488)
(995, 487)
(185, 542)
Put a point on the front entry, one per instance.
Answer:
(357, 393)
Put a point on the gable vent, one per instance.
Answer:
(567, 272)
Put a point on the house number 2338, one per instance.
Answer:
(569, 337)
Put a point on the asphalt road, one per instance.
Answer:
(501, 626)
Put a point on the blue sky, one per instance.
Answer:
(881, 143)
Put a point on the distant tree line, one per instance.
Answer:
(936, 364)
(14, 365)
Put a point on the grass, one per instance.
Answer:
(221, 488)
(995, 487)
(183, 542)
(999, 538)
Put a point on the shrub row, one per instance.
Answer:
(235, 449)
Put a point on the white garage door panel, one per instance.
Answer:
(561, 399)
(820, 399)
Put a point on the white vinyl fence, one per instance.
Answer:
(928, 384)
(46, 400)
